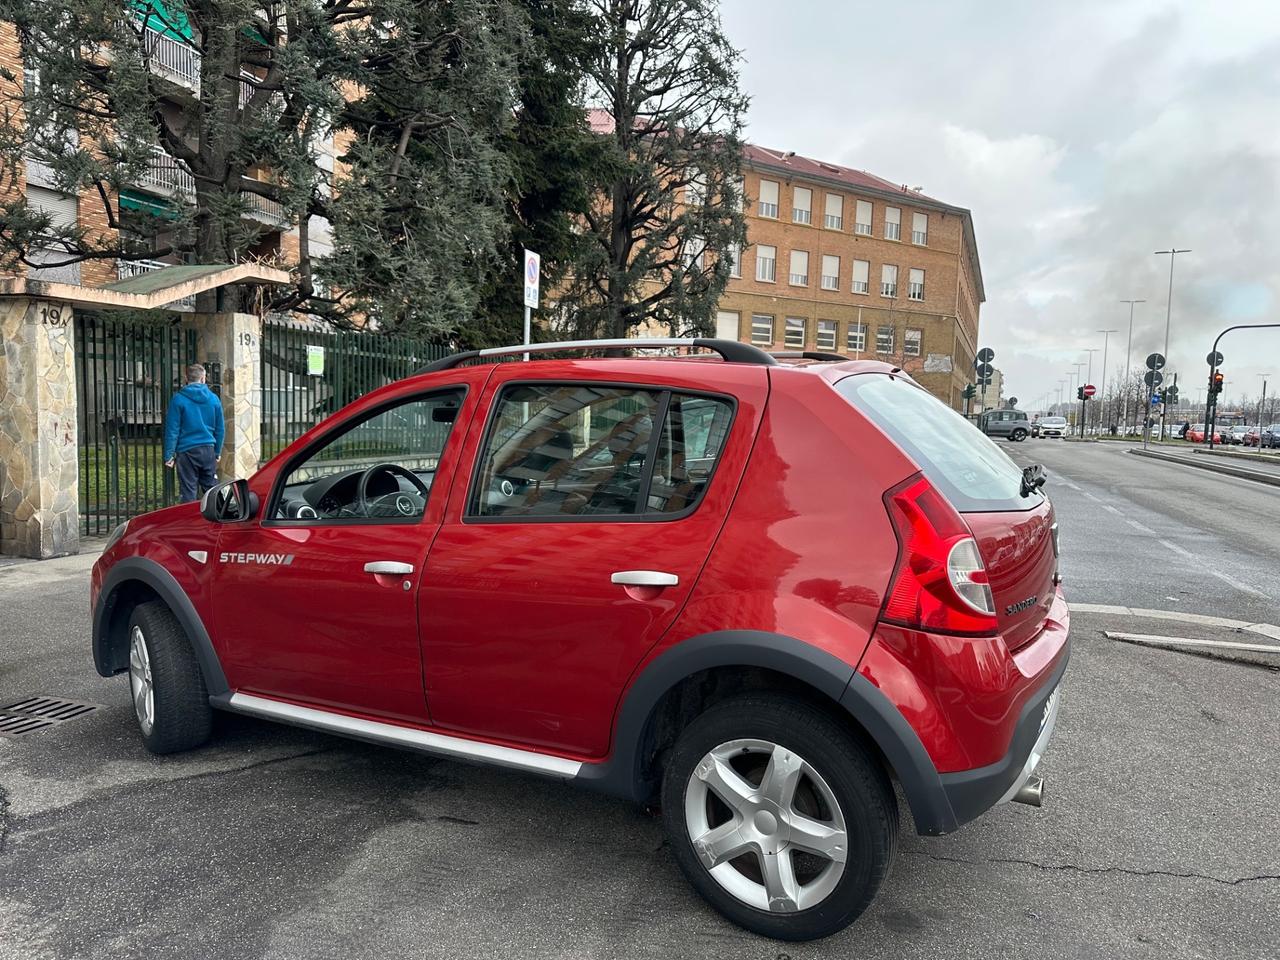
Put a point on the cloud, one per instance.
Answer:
(1083, 137)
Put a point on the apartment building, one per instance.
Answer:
(840, 261)
(142, 209)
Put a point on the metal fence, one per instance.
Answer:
(308, 374)
(125, 374)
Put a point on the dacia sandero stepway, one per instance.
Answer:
(753, 591)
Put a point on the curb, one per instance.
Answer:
(1271, 479)
(1255, 457)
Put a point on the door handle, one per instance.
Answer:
(388, 567)
(645, 578)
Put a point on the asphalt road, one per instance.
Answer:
(1159, 837)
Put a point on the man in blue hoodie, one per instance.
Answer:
(193, 435)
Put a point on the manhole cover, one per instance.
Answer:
(38, 713)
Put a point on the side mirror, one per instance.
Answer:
(229, 502)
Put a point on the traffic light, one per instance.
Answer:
(1215, 383)
(970, 391)
(1079, 393)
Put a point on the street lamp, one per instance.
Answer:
(1128, 368)
(1262, 405)
(1102, 388)
(1172, 254)
(1088, 379)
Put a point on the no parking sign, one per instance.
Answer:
(532, 271)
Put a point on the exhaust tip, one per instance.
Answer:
(1031, 793)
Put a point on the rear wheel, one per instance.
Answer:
(1018, 435)
(779, 817)
(169, 697)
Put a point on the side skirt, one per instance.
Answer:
(439, 744)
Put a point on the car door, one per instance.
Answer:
(315, 600)
(586, 521)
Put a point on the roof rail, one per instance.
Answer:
(731, 350)
(808, 355)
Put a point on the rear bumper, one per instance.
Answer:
(972, 792)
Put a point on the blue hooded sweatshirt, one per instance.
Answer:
(194, 420)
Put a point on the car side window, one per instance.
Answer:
(555, 451)
(380, 467)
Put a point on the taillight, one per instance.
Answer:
(939, 583)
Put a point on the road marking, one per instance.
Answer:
(1107, 506)
(1244, 587)
(1068, 483)
(1091, 496)
(1139, 526)
(1192, 642)
(1177, 549)
(1263, 629)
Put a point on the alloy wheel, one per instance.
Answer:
(766, 825)
(140, 682)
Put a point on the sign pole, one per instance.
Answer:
(532, 277)
(527, 320)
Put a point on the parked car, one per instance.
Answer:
(1010, 424)
(1053, 427)
(1236, 435)
(632, 574)
(1270, 436)
(1196, 434)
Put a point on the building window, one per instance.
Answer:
(802, 205)
(693, 250)
(761, 330)
(888, 281)
(799, 268)
(826, 334)
(862, 218)
(794, 337)
(861, 276)
(833, 218)
(830, 272)
(920, 229)
(856, 340)
(695, 191)
(892, 223)
(735, 259)
(911, 343)
(884, 340)
(769, 199)
(766, 263)
(915, 285)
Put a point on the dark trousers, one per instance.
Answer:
(196, 470)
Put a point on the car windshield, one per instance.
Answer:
(1053, 421)
(967, 466)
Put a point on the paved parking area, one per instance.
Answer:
(1159, 837)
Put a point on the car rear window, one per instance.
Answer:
(968, 467)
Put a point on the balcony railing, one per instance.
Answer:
(888, 290)
(166, 175)
(173, 59)
(919, 237)
(769, 210)
(264, 209)
(136, 268)
(892, 231)
(833, 222)
(862, 228)
(799, 215)
(860, 286)
(829, 282)
(799, 279)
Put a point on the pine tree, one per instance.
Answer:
(667, 210)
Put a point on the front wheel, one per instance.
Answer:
(1018, 435)
(169, 697)
(779, 817)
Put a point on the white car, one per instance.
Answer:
(1053, 426)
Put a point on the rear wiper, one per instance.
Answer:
(1033, 478)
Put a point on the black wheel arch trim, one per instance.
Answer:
(167, 588)
(929, 794)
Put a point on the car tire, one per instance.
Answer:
(1018, 435)
(166, 687)
(833, 790)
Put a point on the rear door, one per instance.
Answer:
(592, 505)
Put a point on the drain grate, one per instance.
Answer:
(39, 713)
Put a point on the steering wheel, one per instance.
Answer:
(395, 470)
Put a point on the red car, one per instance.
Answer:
(1196, 434)
(756, 592)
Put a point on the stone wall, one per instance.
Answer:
(235, 341)
(39, 460)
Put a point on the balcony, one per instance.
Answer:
(264, 210)
(167, 176)
(172, 59)
(136, 268)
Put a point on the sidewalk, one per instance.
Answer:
(1260, 472)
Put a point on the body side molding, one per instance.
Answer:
(412, 738)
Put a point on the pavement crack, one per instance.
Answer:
(4, 818)
(1125, 871)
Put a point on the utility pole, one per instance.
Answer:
(1102, 388)
(1088, 379)
(1128, 354)
(1172, 253)
(1262, 404)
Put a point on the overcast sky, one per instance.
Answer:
(1083, 135)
